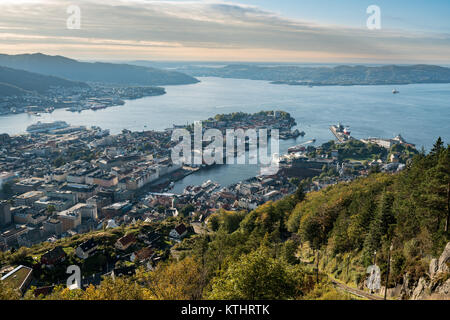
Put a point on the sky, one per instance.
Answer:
(304, 31)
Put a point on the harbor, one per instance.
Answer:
(341, 132)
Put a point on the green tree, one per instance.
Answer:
(381, 228)
(187, 210)
(289, 251)
(58, 162)
(300, 193)
(214, 222)
(256, 276)
(437, 147)
(7, 292)
(51, 209)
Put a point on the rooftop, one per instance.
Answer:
(18, 276)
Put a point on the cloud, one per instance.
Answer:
(211, 30)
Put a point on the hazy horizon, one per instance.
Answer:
(285, 31)
(219, 63)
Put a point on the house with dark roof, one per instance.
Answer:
(123, 271)
(125, 242)
(54, 256)
(149, 238)
(43, 291)
(179, 232)
(86, 249)
(142, 255)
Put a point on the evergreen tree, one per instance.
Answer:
(380, 227)
(437, 147)
(300, 193)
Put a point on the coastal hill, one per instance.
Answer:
(122, 74)
(7, 90)
(340, 75)
(399, 221)
(19, 82)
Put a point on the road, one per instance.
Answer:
(356, 292)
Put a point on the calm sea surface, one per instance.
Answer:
(421, 113)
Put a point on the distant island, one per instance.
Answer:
(111, 73)
(328, 76)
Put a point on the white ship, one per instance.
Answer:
(42, 127)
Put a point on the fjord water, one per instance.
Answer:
(420, 112)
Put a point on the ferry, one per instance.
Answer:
(342, 133)
(346, 131)
(41, 127)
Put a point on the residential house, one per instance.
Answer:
(123, 271)
(142, 255)
(86, 249)
(125, 242)
(179, 232)
(53, 257)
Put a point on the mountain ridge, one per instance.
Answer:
(20, 82)
(339, 75)
(67, 68)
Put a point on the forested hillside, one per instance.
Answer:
(339, 75)
(409, 211)
(272, 252)
(18, 82)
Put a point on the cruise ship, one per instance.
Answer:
(42, 127)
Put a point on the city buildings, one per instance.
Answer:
(5, 213)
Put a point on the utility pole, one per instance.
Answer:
(388, 269)
(317, 267)
(348, 263)
(447, 222)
